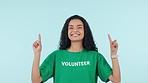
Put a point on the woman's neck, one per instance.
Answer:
(75, 47)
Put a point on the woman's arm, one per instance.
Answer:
(115, 77)
(37, 47)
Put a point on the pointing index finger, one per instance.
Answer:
(39, 37)
(109, 38)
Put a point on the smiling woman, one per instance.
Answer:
(77, 25)
(75, 30)
(77, 60)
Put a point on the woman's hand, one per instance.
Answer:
(115, 77)
(113, 46)
(37, 46)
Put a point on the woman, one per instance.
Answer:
(77, 60)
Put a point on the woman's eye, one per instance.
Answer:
(70, 28)
(79, 27)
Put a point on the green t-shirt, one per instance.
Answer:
(75, 67)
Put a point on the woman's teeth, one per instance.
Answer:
(75, 35)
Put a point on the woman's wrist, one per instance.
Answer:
(114, 56)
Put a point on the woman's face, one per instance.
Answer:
(76, 30)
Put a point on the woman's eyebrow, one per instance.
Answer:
(79, 25)
(70, 25)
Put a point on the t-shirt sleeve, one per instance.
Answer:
(47, 67)
(103, 68)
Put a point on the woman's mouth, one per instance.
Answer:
(75, 35)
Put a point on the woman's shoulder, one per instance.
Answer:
(92, 52)
(58, 51)
(55, 53)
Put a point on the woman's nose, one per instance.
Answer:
(75, 29)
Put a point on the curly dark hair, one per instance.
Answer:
(88, 41)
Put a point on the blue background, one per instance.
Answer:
(22, 20)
